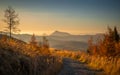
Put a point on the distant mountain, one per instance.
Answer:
(70, 37)
(63, 40)
(58, 33)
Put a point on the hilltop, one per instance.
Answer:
(59, 33)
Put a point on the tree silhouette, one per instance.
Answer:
(33, 40)
(11, 19)
(113, 34)
(116, 35)
(108, 46)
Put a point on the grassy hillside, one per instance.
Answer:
(20, 58)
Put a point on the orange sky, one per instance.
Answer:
(73, 16)
(40, 23)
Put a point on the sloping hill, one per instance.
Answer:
(20, 58)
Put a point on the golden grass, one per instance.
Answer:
(111, 65)
(20, 58)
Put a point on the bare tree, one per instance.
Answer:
(11, 19)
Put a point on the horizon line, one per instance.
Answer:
(28, 33)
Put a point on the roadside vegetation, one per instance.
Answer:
(103, 55)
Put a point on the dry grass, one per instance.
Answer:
(110, 66)
(19, 58)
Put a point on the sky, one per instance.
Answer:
(73, 16)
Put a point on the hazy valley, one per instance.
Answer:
(63, 40)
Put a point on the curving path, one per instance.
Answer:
(72, 67)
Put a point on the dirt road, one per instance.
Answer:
(72, 67)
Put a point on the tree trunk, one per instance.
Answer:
(10, 31)
(10, 27)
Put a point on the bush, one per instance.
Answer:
(109, 46)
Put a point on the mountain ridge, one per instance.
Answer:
(62, 40)
(59, 33)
